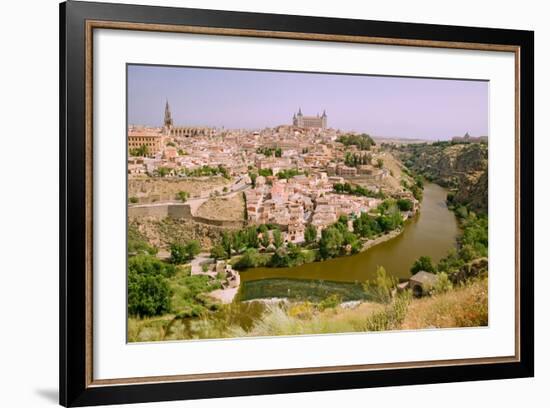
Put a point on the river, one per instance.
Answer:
(432, 232)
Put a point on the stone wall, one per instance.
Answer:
(177, 211)
(160, 211)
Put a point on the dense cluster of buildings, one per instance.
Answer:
(307, 149)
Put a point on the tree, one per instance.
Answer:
(424, 263)
(143, 151)
(148, 288)
(227, 244)
(217, 252)
(277, 238)
(252, 238)
(380, 289)
(404, 204)
(183, 253)
(192, 249)
(253, 176)
(163, 171)
(310, 234)
(278, 152)
(239, 240)
(331, 242)
(265, 239)
(182, 196)
(250, 259)
(148, 295)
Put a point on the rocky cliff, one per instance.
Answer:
(463, 168)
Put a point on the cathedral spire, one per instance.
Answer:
(167, 115)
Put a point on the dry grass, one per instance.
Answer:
(462, 307)
(465, 306)
(223, 208)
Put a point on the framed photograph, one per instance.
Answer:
(256, 204)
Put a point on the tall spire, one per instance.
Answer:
(299, 111)
(167, 115)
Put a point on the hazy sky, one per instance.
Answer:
(381, 106)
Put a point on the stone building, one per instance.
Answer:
(145, 137)
(300, 120)
(183, 131)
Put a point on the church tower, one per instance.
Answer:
(324, 119)
(168, 123)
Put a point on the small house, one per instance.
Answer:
(421, 283)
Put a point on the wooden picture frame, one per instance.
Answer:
(77, 22)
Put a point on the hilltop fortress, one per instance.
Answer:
(300, 120)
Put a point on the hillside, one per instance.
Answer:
(463, 168)
(463, 306)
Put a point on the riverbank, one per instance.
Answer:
(462, 306)
(383, 238)
(432, 232)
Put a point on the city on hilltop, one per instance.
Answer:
(279, 220)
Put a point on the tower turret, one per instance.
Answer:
(168, 123)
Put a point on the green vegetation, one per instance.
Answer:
(290, 256)
(404, 204)
(141, 151)
(355, 159)
(148, 287)
(362, 141)
(182, 253)
(277, 238)
(182, 196)
(253, 176)
(300, 290)
(218, 252)
(415, 188)
(137, 244)
(347, 188)
(315, 309)
(269, 151)
(133, 200)
(265, 172)
(310, 234)
(288, 174)
(424, 263)
(206, 171)
(250, 259)
(380, 289)
(162, 171)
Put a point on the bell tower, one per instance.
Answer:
(168, 123)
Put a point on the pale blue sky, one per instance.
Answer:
(381, 106)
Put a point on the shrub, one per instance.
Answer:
(148, 289)
(145, 264)
(404, 204)
(424, 263)
(148, 295)
(310, 234)
(217, 252)
(182, 196)
(183, 253)
(133, 200)
(380, 289)
(331, 242)
(443, 283)
(250, 259)
(331, 301)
